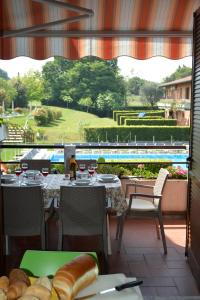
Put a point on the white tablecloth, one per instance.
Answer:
(114, 192)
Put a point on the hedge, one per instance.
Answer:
(115, 112)
(138, 133)
(151, 122)
(158, 113)
(123, 118)
(135, 108)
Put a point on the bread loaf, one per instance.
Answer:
(38, 291)
(4, 282)
(18, 275)
(2, 295)
(44, 281)
(16, 290)
(74, 276)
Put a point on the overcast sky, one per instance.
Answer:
(153, 69)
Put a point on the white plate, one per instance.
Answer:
(107, 178)
(82, 182)
(33, 183)
(7, 177)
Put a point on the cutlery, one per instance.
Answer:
(116, 288)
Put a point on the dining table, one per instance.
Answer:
(51, 184)
(114, 194)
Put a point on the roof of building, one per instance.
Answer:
(181, 80)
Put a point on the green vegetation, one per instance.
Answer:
(151, 122)
(142, 133)
(69, 128)
(181, 72)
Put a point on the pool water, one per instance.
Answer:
(59, 157)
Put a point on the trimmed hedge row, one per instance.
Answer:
(135, 108)
(115, 112)
(139, 133)
(123, 118)
(158, 113)
(151, 122)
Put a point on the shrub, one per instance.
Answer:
(18, 110)
(151, 122)
(142, 133)
(177, 172)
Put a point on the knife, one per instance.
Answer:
(116, 288)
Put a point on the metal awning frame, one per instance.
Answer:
(37, 30)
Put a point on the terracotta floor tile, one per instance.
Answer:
(158, 281)
(167, 291)
(148, 291)
(186, 286)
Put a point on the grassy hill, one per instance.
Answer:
(68, 128)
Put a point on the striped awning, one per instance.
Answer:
(102, 28)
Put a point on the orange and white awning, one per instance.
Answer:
(102, 28)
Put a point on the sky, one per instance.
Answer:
(153, 69)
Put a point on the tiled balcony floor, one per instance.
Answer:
(141, 256)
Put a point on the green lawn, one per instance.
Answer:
(68, 128)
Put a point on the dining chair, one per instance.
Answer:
(142, 204)
(82, 212)
(37, 164)
(23, 213)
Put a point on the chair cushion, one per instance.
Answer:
(142, 205)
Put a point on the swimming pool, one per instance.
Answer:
(180, 157)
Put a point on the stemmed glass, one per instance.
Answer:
(45, 172)
(91, 170)
(94, 166)
(18, 172)
(24, 167)
(82, 167)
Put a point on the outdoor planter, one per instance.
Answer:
(174, 196)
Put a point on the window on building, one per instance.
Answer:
(187, 93)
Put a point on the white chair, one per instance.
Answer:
(141, 207)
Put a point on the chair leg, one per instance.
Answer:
(60, 235)
(7, 245)
(121, 229)
(118, 227)
(157, 228)
(162, 232)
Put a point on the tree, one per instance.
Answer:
(7, 92)
(181, 72)
(4, 74)
(108, 101)
(66, 98)
(87, 102)
(151, 93)
(134, 85)
(34, 86)
(86, 78)
(20, 98)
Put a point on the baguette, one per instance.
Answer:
(74, 276)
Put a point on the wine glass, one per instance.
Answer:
(82, 167)
(18, 172)
(91, 170)
(45, 172)
(24, 167)
(94, 166)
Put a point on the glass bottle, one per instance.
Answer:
(72, 167)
